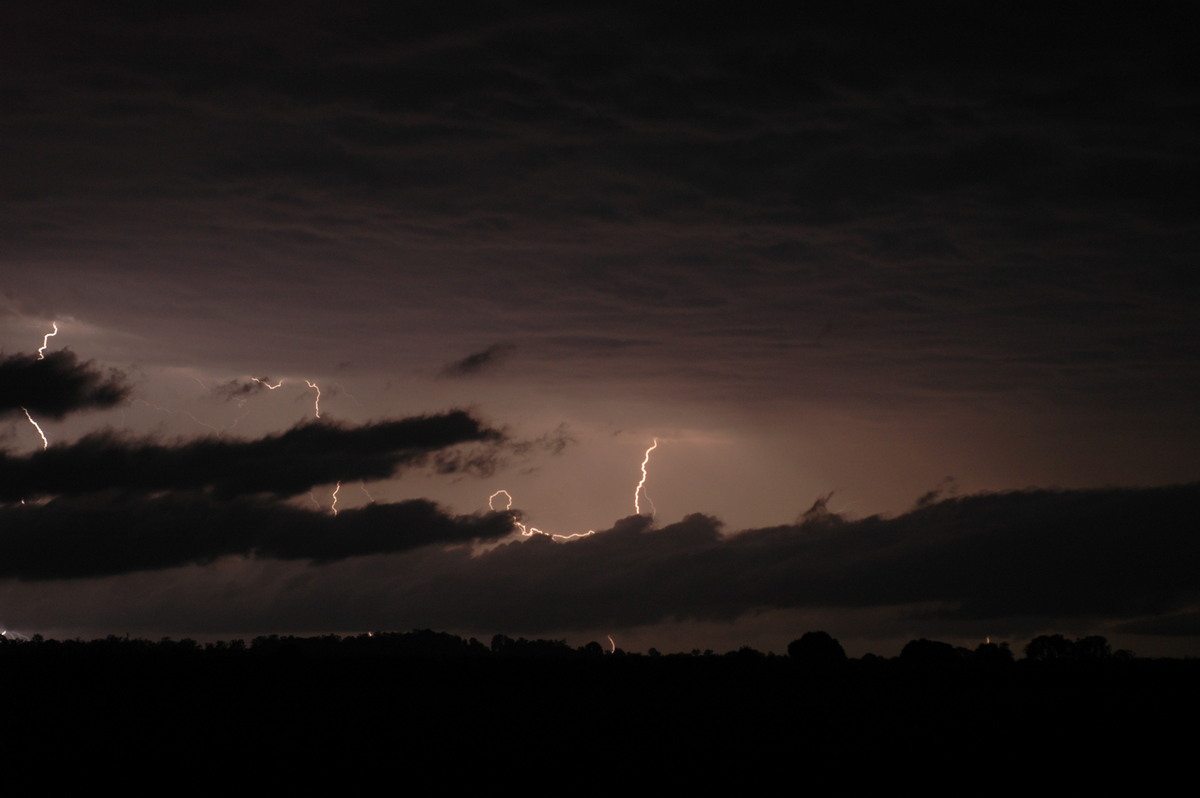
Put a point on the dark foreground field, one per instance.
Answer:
(434, 711)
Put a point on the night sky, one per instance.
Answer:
(905, 300)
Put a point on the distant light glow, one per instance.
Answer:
(45, 443)
(46, 341)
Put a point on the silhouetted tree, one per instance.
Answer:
(746, 654)
(928, 652)
(817, 649)
(991, 653)
(1049, 648)
(1094, 647)
(592, 649)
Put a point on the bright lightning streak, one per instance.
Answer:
(613, 643)
(45, 443)
(363, 486)
(641, 486)
(309, 383)
(46, 341)
(333, 507)
(316, 402)
(532, 530)
(492, 498)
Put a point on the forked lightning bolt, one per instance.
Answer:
(46, 341)
(45, 443)
(532, 530)
(641, 486)
(179, 412)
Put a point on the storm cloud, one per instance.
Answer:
(120, 533)
(1034, 556)
(283, 464)
(849, 249)
(57, 384)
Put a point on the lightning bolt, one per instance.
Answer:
(641, 486)
(316, 402)
(532, 530)
(45, 443)
(612, 643)
(333, 507)
(46, 342)
(363, 486)
(309, 383)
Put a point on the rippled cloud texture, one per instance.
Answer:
(851, 253)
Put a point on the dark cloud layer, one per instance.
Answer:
(112, 533)
(284, 464)
(57, 384)
(1009, 563)
(1044, 555)
(949, 198)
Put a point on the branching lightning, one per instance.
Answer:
(641, 486)
(266, 384)
(46, 341)
(45, 443)
(180, 412)
(532, 530)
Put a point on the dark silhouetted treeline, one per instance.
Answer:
(306, 711)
